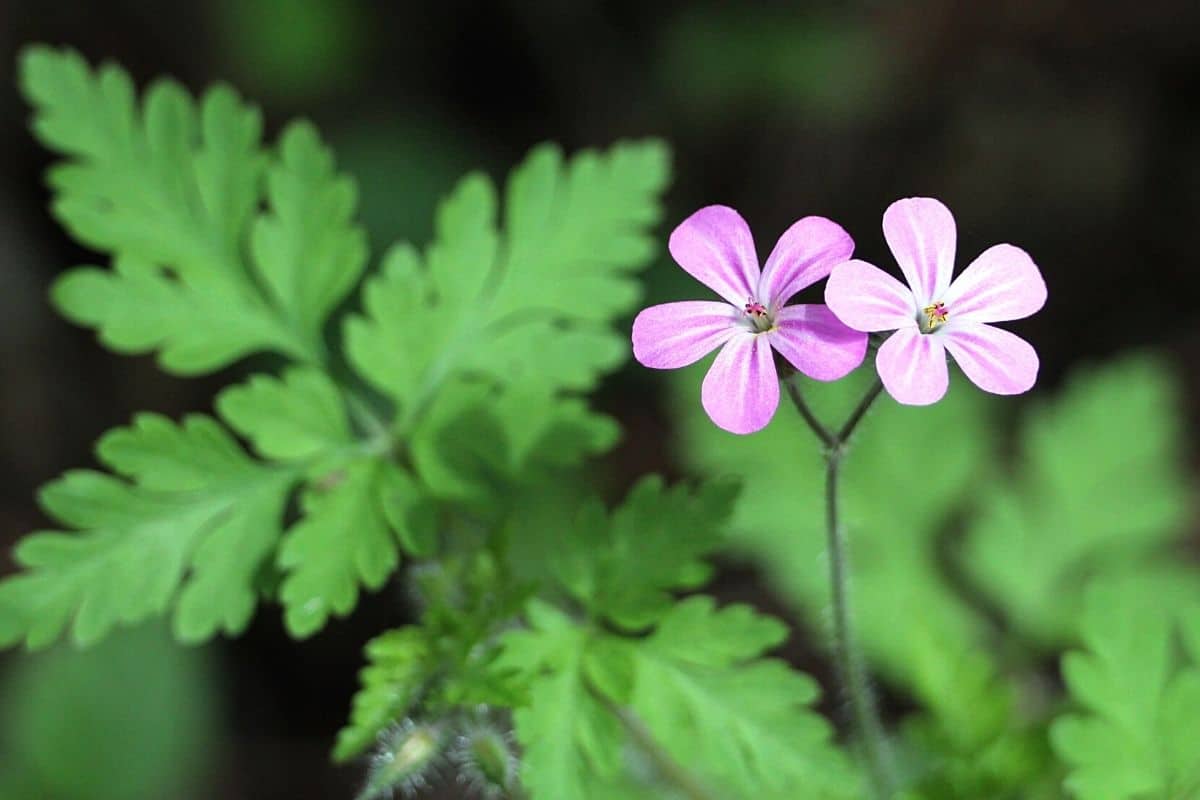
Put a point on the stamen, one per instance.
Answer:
(755, 308)
(760, 315)
(935, 314)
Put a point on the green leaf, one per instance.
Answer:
(395, 343)
(571, 742)
(443, 668)
(1099, 489)
(398, 665)
(576, 231)
(192, 528)
(169, 185)
(171, 189)
(521, 311)
(623, 566)
(984, 742)
(343, 541)
(137, 308)
(652, 545)
(743, 724)
(307, 249)
(1136, 737)
(740, 724)
(469, 601)
(296, 417)
(475, 446)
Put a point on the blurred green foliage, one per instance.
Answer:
(132, 718)
(294, 52)
(968, 564)
(1097, 487)
(736, 59)
(1138, 683)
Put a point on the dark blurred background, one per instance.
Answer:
(1067, 127)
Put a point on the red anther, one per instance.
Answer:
(755, 308)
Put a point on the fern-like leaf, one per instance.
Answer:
(191, 527)
(398, 663)
(1099, 491)
(519, 311)
(171, 189)
(1137, 735)
(741, 722)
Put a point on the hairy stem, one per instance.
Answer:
(851, 668)
(824, 434)
(860, 411)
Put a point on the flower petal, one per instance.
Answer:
(715, 247)
(994, 359)
(805, 253)
(912, 367)
(1001, 285)
(816, 342)
(922, 235)
(677, 334)
(741, 390)
(868, 299)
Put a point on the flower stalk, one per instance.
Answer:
(851, 668)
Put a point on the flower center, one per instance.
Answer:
(935, 314)
(758, 315)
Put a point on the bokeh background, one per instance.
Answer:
(1070, 128)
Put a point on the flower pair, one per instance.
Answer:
(931, 316)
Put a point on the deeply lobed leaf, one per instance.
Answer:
(500, 320)
(344, 540)
(1136, 736)
(1098, 491)
(742, 723)
(192, 527)
(623, 566)
(172, 190)
(398, 663)
(572, 742)
(299, 416)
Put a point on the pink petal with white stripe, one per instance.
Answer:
(741, 390)
(923, 237)
(912, 367)
(715, 247)
(868, 299)
(1001, 285)
(816, 342)
(805, 254)
(677, 334)
(994, 359)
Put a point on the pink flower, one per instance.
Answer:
(741, 390)
(932, 314)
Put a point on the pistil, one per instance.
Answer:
(759, 315)
(935, 314)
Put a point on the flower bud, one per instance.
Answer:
(407, 757)
(484, 758)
